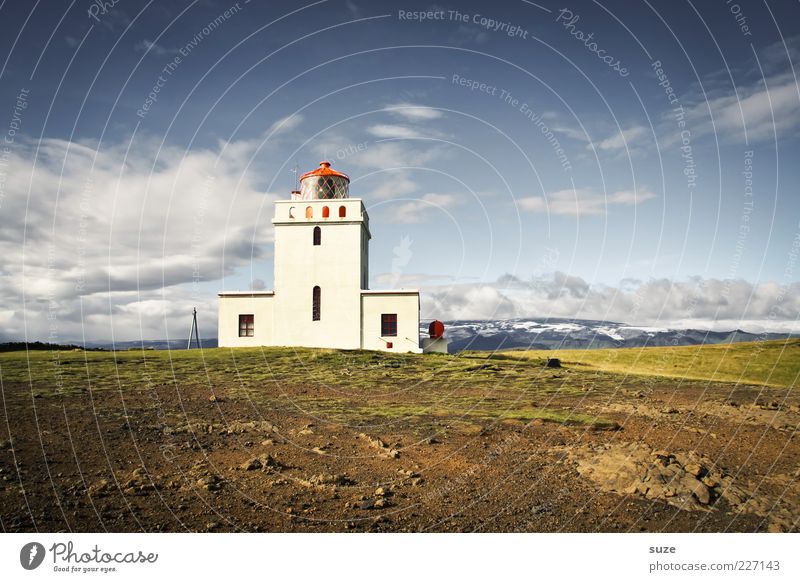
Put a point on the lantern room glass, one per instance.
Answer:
(323, 188)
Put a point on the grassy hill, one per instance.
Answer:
(769, 363)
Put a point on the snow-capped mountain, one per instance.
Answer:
(548, 334)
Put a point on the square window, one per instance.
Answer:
(389, 324)
(246, 325)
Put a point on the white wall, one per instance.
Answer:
(406, 305)
(336, 266)
(230, 306)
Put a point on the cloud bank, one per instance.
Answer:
(113, 241)
(698, 303)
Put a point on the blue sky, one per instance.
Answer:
(611, 160)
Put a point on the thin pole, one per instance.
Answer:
(196, 329)
(193, 331)
(296, 175)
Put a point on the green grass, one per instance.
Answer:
(361, 384)
(768, 363)
(338, 384)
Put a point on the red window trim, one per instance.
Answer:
(247, 327)
(388, 325)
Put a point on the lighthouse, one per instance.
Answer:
(321, 296)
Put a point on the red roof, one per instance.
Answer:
(324, 170)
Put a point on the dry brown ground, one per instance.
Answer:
(173, 459)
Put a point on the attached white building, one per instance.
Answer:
(321, 296)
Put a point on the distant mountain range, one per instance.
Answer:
(549, 334)
(536, 334)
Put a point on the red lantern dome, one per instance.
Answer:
(324, 183)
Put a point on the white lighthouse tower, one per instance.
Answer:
(321, 297)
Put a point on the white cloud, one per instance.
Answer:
(154, 49)
(576, 134)
(414, 112)
(622, 139)
(396, 184)
(285, 124)
(583, 201)
(353, 9)
(394, 154)
(700, 303)
(385, 130)
(422, 210)
(765, 110)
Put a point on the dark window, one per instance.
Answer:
(317, 236)
(388, 324)
(342, 212)
(246, 325)
(315, 304)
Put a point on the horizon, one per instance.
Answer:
(761, 334)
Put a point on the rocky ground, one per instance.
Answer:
(189, 455)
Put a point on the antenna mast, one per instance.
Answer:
(194, 331)
(295, 172)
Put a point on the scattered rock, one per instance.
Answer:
(240, 426)
(215, 398)
(271, 462)
(100, 488)
(694, 469)
(327, 480)
(553, 363)
(543, 508)
(252, 464)
(367, 504)
(380, 502)
(210, 483)
(380, 492)
(700, 491)
(384, 449)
